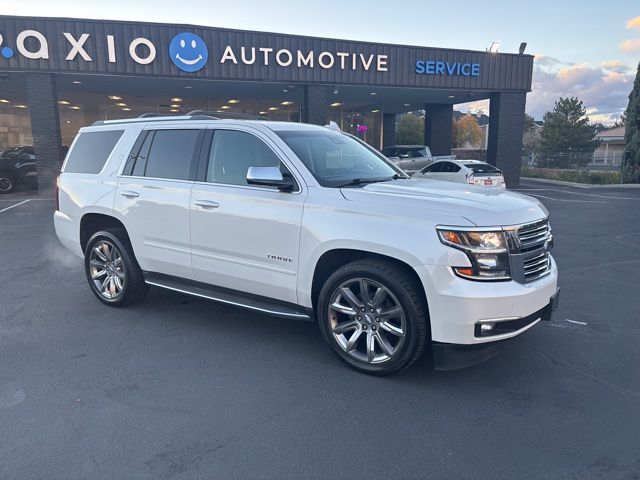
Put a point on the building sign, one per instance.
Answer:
(432, 67)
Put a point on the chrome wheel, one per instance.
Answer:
(6, 184)
(107, 270)
(367, 320)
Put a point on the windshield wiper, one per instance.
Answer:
(365, 181)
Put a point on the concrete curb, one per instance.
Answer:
(582, 185)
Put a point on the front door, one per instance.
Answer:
(244, 237)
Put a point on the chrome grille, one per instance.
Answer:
(533, 235)
(537, 266)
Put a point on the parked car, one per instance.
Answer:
(471, 172)
(303, 222)
(17, 166)
(409, 158)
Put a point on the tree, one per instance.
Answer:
(567, 138)
(631, 159)
(410, 130)
(530, 135)
(466, 132)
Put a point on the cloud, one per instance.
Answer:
(633, 22)
(630, 45)
(604, 89)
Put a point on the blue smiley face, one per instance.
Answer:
(188, 52)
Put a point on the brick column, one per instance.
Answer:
(45, 127)
(388, 129)
(504, 148)
(437, 128)
(314, 108)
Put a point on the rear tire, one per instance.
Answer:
(7, 183)
(374, 316)
(111, 268)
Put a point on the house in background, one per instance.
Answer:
(611, 149)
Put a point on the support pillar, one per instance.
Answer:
(45, 127)
(314, 108)
(504, 148)
(437, 128)
(388, 129)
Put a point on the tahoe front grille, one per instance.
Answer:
(529, 246)
(537, 266)
(533, 235)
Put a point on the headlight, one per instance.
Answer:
(487, 251)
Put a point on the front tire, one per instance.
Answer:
(111, 268)
(374, 316)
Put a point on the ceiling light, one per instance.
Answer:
(114, 97)
(452, 96)
(263, 113)
(284, 90)
(176, 99)
(188, 86)
(121, 104)
(375, 111)
(494, 47)
(273, 109)
(63, 102)
(335, 104)
(233, 100)
(407, 104)
(21, 106)
(74, 107)
(173, 110)
(4, 100)
(286, 103)
(126, 109)
(175, 105)
(225, 107)
(373, 93)
(77, 82)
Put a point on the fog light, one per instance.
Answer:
(487, 328)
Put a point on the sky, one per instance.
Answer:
(589, 49)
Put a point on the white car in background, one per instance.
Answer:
(471, 172)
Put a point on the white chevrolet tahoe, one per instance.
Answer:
(309, 223)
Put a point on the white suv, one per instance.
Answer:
(308, 223)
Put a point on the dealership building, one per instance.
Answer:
(57, 75)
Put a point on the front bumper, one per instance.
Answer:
(457, 305)
(450, 356)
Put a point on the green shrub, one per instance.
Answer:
(592, 178)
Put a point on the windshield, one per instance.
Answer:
(12, 152)
(336, 159)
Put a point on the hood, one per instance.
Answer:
(481, 206)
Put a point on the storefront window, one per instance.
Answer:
(15, 116)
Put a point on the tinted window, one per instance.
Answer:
(448, 167)
(171, 154)
(335, 159)
(434, 168)
(390, 152)
(142, 156)
(480, 168)
(233, 152)
(91, 151)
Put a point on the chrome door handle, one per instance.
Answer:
(207, 203)
(129, 194)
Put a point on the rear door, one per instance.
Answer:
(244, 237)
(153, 197)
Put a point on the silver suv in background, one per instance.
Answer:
(409, 158)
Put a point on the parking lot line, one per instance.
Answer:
(565, 200)
(14, 206)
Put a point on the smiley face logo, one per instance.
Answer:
(188, 52)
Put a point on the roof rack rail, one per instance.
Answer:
(149, 115)
(226, 115)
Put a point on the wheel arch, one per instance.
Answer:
(333, 259)
(93, 222)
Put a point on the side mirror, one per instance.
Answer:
(270, 177)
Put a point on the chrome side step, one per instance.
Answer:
(230, 297)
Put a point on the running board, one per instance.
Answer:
(230, 297)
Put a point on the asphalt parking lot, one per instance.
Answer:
(181, 388)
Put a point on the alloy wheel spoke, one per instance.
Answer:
(97, 263)
(397, 331)
(384, 344)
(345, 327)
(112, 286)
(118, 283)
(100, 254)
(98, 274)
(343, 309)
(351, 343)
(378, 297)
(351, 297)
(364, 291)
(106, 249)
(371, 346)
(119, 274)
(105, 284)
(390, 313)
